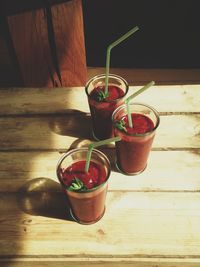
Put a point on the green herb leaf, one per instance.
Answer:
(77, 185)
(101, 95)
(120, 125)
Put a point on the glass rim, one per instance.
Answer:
(140, 104)
(110, 75)
(83, 149)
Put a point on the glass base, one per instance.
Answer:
(83, 222)
(128, 173)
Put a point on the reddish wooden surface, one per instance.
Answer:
(69, 36)
(49, 45)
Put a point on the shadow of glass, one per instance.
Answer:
(78, 125)
(43, 197)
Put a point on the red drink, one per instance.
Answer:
(135, 145)
(102, 105)
(95, 176)
(87, 203)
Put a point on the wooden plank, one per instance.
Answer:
(10, 7)
(166, 171)
(104, 262)
(69, 36)
(60, 132)
(33, 53)
(42, 64)
(144, 75)
(151, 219)
(41, 100)
(157, 224)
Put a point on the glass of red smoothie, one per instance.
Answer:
(86, 191)
(132, 151)
(102, 105)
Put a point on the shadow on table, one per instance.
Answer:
(80, 126)
(74, 123)
(43, 197)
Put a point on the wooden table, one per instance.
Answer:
(152, 219)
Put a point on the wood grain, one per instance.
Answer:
(166, 99)
(30, 39)
(104, 262)
(10, 7)
(57, 132)
(151, 219)
(171, 218)
(167, 171)
(69, 36)
(33, 42)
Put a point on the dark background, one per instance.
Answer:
(169, 35)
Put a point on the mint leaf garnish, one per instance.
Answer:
(77, 185)
(120, 125)
(101, 95)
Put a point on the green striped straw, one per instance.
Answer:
(96, 144)
(131, 97)
(122, 38)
